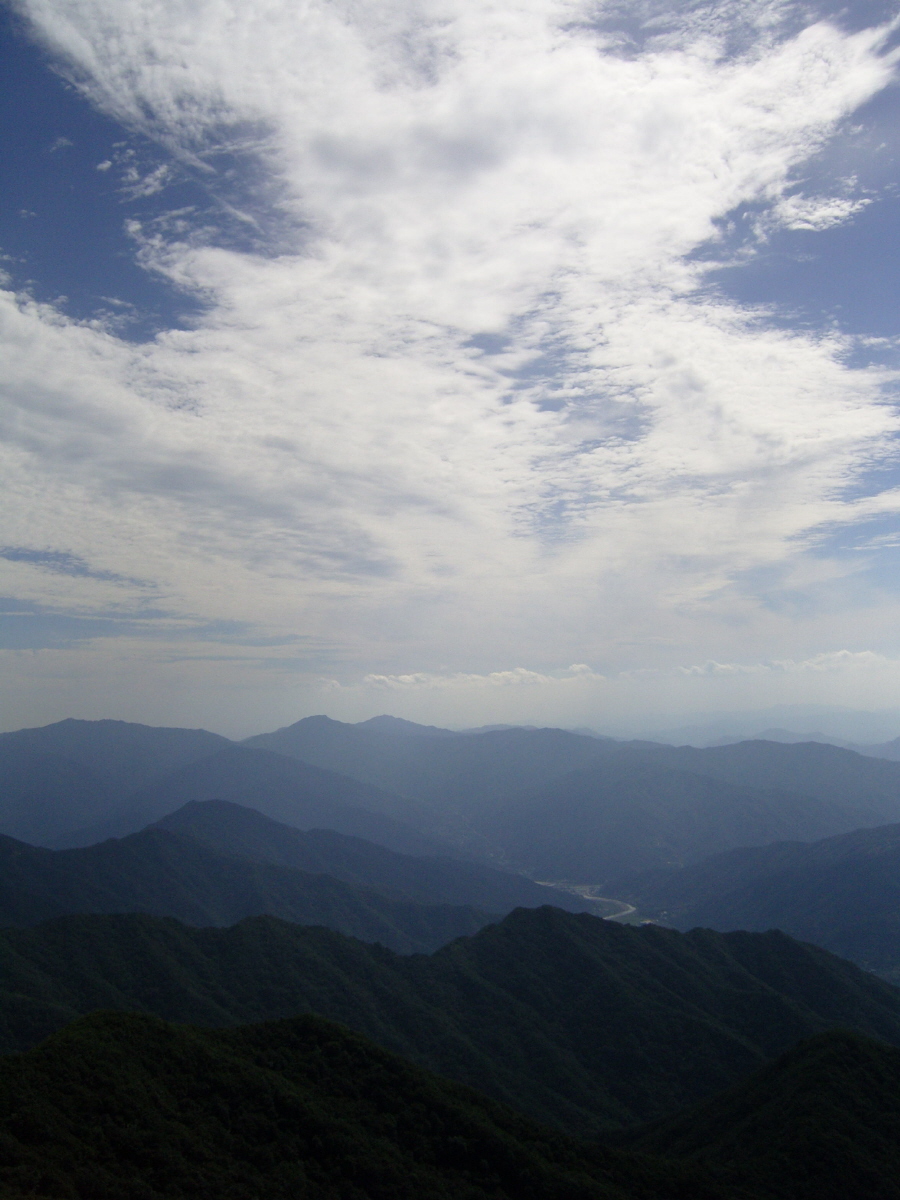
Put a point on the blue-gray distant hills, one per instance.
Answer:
(554, 804)
(63, 777)
(78, 782)
(566, 806)
(167, 874)
(232, 830)
(842, 893)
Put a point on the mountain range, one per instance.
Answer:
(575, 1021)
(555, 804)
(362, 873)
(165, 873)
(233, 830)
(127, 1106)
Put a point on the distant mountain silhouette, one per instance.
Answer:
(293, 792)
(889, 750)
(563, 805)
(630, 812)
(61, 777)
(555, 804)
(233, 830)
(866, 788)
(576, 1021)
(842, 893)
(168, 874)
(461, 771)
(394, 726)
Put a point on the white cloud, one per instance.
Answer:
(517, 677)
(815, 213)
(833, 660)
(479, 413)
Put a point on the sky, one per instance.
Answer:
(525, 362)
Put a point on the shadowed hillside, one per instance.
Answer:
(821, 1123)
(842, 893)
(171, 875)
(576, 1021)
(240, 832)
(129, 1107)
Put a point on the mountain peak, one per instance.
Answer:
(397, 725)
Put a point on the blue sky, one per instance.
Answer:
(477, 363)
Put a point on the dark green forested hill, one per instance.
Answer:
(578, 1022)
(126, 1107)
(168, 874)
(820, 1123)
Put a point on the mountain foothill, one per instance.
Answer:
(382, 945)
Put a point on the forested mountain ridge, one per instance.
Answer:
(842, 893)
(231, 829)
(576, 1021)
(583, 1024)
(129, 1107)
(820, 1123)
(168, 874)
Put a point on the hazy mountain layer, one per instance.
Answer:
(61, 777)
(233, 830)
(463, 771)
(563, 805)
(842, 893)
(168, 874)
(129, 1107)
(865, 787)
(629, 813)
(286, 790)
(553, 803)
(821, 1123)
(576, 1021)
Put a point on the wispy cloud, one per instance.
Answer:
(61, 562)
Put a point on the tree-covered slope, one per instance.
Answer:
(577, 1021)
(842, 893)
(168, 874)
(126, 1107)
(820, 1123)
(235, 830)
